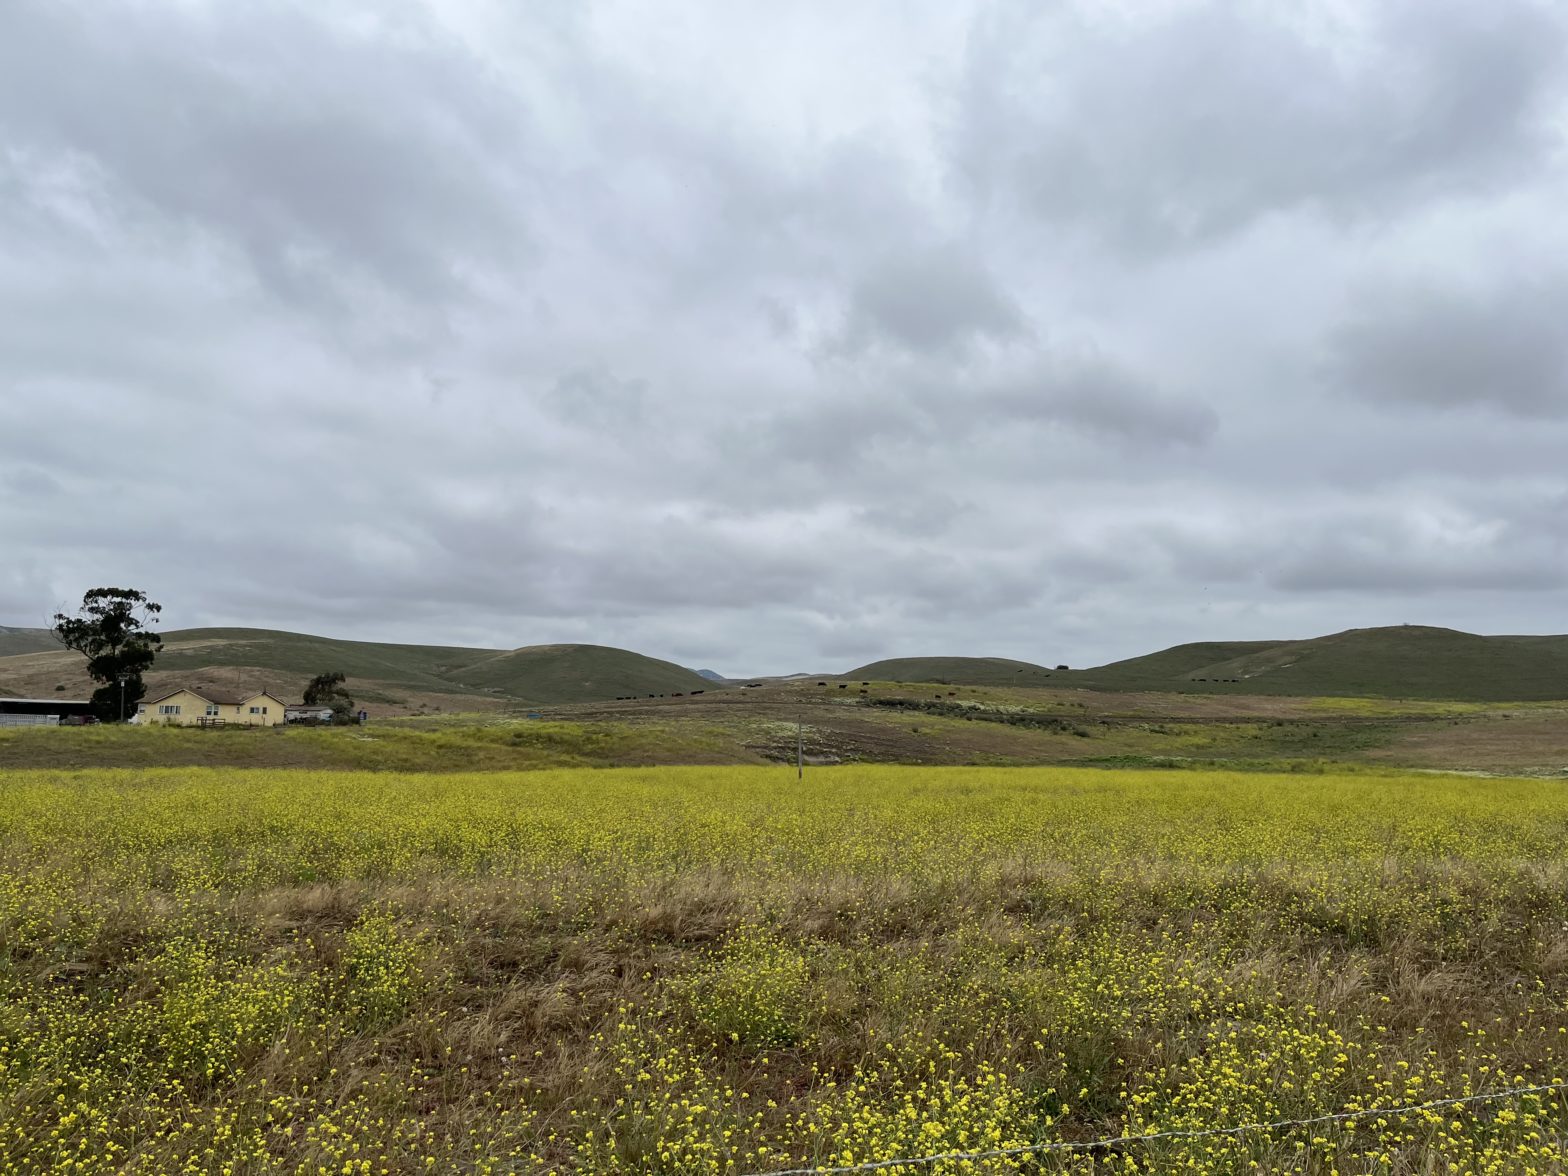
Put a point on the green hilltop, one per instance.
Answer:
(379, 671)
(541, 673)
(1403, 661)
(960, 671)
(1406, 661)
(1179, 661)
(420, 667)
(577, 673)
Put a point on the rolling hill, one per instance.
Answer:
(577, 673)
(1400, 661)
(961, 671)
(1403, 661)
(14, 641)
(1158, 670)
(391, 677)
(1406, 661)
(424, 667)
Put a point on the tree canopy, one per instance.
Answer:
(111, 630)
(328, 690)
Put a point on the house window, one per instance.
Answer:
(263, 710)
(169, 708)
(255, 710)
(212, 710)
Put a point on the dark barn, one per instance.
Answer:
(43, 712)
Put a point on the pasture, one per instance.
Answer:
(722, 970)
(891, 723)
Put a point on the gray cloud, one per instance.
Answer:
(1061, 334)
(304, 144)
(1174, 126)
(1502, 349)
(593, 398)
(32, 484)
(1420, 557)
(927, 300)
(1106, 400)
(1080, 400)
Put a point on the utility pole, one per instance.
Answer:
(800, 751)
(121, 679)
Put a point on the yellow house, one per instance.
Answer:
(209, 708)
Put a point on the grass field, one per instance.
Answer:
(889, 723)
(683, 970)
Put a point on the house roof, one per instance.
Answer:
(217, 697)
(308, 705)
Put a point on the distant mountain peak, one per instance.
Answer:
(712, 675)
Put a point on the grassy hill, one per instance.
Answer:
(14, 641)
(1404, 661)
(423, 667)
(1158, 670)
(577, 673)
(1407, 661)
(958, 671)
(421, 676)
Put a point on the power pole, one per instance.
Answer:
(121, 679)
(800, 751)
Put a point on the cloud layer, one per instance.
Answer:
(784, 340)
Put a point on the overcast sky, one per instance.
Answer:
(776, 337)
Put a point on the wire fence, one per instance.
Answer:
(1120, 1141)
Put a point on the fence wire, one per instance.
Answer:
(1119, 1141)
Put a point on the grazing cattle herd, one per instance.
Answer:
(677, 694)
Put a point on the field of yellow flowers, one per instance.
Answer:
(724, 970)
